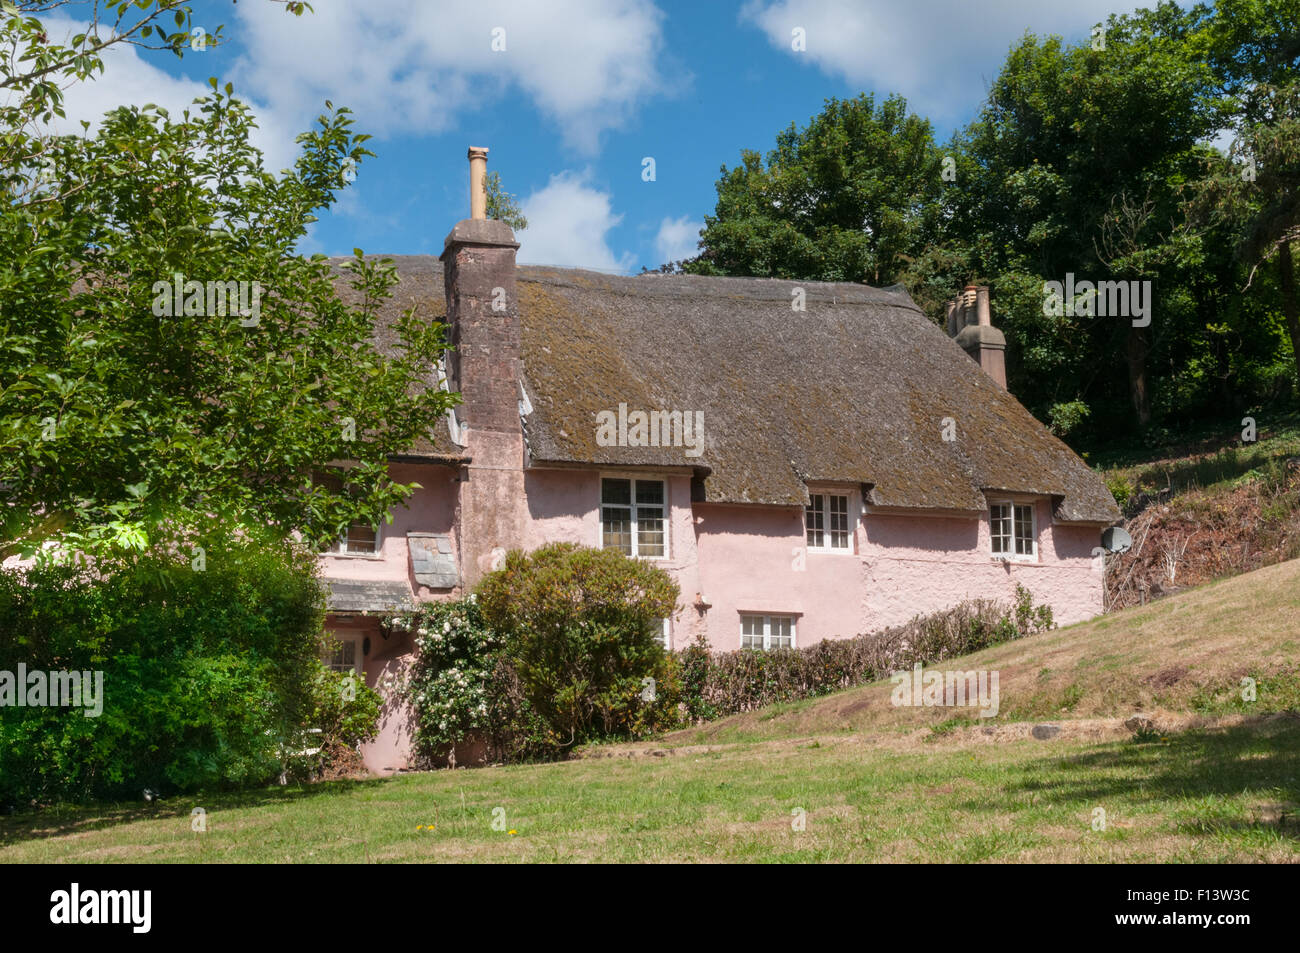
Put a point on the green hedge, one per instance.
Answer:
(715, 684)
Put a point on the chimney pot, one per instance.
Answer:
(970, 323)
(478, 182)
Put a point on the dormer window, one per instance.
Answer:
(1013, 530)
(826, 522)
(632, 517)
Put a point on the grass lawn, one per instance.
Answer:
(1229, 793)
(1219, 780)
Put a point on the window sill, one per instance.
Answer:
(824, 551)
(371, 556)
(1018, 560)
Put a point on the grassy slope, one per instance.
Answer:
(1218, 507)
(1173, 658)
(876, 783)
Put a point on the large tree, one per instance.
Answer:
(1076, 165)
(850, 197)
(256, 394)
(1254, 46)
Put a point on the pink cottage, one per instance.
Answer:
(808, 460)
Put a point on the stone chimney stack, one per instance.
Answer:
(971, 323)
(478, 261)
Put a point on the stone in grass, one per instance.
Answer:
(1044, 732)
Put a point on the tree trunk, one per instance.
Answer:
(1137, 374)
(1290, 306)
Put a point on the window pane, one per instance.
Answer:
(839, 517)
(360, 539)
(1024, 530)
(616, 492)
(650, 491)
(343, 657)
(1000, 527)
(616, 526)
(649, 531)
(781, 628)
(814, 520)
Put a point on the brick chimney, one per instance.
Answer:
(484, 366)
(970, 323)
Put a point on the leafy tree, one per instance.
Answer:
(501, 205)
(1075, 165)
(207, 678)
(128, 412)
(1255, 192)
(850, 197)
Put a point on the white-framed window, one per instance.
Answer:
(361, 539)
(667, 634)
(1013, 529)
(826, 522)
(633, 516)
(342, 653)
(767, 631)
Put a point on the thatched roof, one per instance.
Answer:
(854, 389)
(419, 287)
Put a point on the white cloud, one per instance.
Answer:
(414, 66)
(128, 80)
(677, 239)
(939, 54)
(568, 221)
(409, 66)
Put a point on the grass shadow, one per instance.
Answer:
(1203, 767)
(63, 819)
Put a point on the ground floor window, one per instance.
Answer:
(342, 653)
(766, 632)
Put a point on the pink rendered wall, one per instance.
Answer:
(564, 506)
(387, 659)
(922, 564)
(753, 560)
(430, 509)
(737, 559)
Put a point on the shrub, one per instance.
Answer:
(1067, 417)
(1120, 489)
(208, 675)
(718, 684)
(344, 714)
(556, 648)
(462, 687)
(581, 628)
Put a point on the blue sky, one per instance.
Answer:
(579, 96)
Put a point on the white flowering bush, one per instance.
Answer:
(448, 685)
